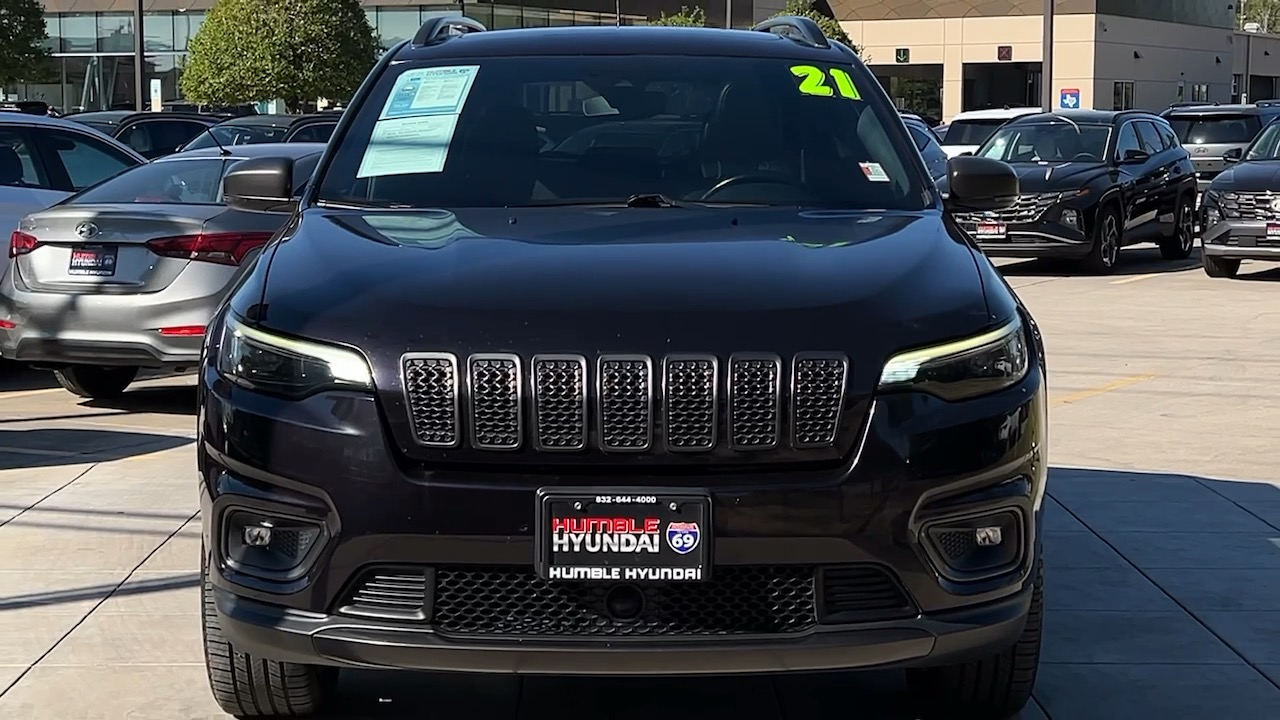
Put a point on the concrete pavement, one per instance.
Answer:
(1163, 554)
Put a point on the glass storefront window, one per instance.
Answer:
(396, 25)
(536, 17)
(115, 32)
(561, 18)
(166, 68)
(79, 33)
(53, 32)
(506, 17)
(157, 31)
(185, 27)
(583, 17)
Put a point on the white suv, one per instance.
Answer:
(968, 130)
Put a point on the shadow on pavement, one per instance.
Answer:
(45, 447)
(1269, 272)
(1136, 260)
(162, 400)
(94, 592)
(19, 376)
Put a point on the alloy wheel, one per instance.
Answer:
(1110, 241)
(1186, 230)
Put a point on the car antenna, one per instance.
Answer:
(222, 150)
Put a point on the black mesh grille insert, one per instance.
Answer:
(817, 396)
(495, 402)
(560, 401)
(738, 600)
(861, 593)
(431, 384)
(690, 397)
(626, 403)
(754, 398)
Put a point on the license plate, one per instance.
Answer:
(93, 260)
(623, 535)
(1273, 230)
(991, 230)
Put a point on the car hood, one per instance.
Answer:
(1253, 176)
(1056, 176)
(653, 281)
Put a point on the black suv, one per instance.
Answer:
(719, 392)
(1241, 209)
(152, 134)
(1210, 132)
(1092, 182)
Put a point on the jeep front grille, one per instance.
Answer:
(686, 403)
(1027, 209)
(1249, 206)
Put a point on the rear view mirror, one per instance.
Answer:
(1233, 155)
(978, 183)
(263, 184)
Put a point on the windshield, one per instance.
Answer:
(196, 181)
(567, 130)
(971, 132)
(1215, 129)
(1267, 145)
(237, 135)
(1048, 142)
(102, 127)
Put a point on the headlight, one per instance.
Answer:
(1212, 213)
(962, 369)
(286, 366)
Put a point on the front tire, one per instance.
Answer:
(1179, 246)
(1104, 252)
(1219, 267)
(96, 383)
(245, 686)
(988, 688)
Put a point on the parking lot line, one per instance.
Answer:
(29, 393)
(1133, 278)
(1114, 385)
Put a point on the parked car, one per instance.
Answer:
(755, 406)
(151, 134)
(968, 130)
(126, 274)
(315, 127)
(935, 158)
(1240, 211)
(219, 111)
(44, 159)
(1092, 182)
(1209, 132)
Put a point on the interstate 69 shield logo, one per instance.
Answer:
(683, 537)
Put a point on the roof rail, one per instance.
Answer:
(800, 29)
(1268, 103)
(440, 29)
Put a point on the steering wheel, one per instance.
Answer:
(1085, 157)
(747, 179)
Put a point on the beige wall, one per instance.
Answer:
(1266, 54)
(1091, 52)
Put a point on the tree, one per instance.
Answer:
(23, 55)
(294, 50)
(1264, 12)
(687, 17)
(830, 28)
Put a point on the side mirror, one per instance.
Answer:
(1133, 155)
(262, 184)
(1234, 155)
(978, 183)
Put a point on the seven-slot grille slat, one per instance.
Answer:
(619, 399)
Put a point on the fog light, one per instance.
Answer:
(1211, 217)
(1071, 217)
(275, 545)
(976, 547)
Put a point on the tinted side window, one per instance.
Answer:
(19, 163)
(1128, 140)
(920, 137)
(1167, 136)
(87, 161)
(169, 135)
(319, 132)
(1150, 138)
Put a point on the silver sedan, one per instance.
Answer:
(125, 274)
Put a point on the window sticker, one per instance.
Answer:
(417, 124)
(825, 83)
(430, 91)
(874, 172)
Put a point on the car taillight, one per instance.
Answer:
(221, 248)
(21, 243)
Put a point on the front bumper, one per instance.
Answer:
(326, 460)
(1240, 240)
(1034, 240)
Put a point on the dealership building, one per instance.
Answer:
(935, 57)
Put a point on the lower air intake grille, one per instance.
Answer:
(513, 601)
(391, 594)
(861, 593)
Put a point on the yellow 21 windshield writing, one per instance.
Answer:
(825, 83)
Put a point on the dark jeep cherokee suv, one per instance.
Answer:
(722, 390)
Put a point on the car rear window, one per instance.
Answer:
(564, 130)
(1215, 129)
(971, 132)
(194, 181)
(237, 135)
